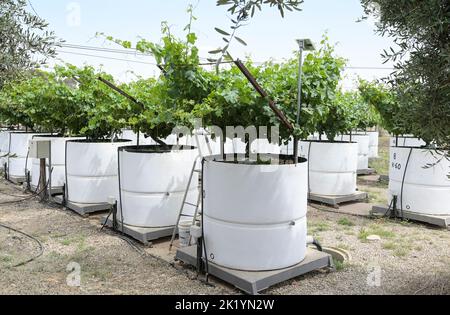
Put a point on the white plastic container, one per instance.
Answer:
(128, 134)
(184, 232)
(332, 167)
(4, 147)
(18, 161)
(235, 146)
(363, 149)
(152, 185)
(264, 146)
(425, 190)
(255, 215)
(58, 157)
(91, 171)
(287, 148)
(407, 141)
(374, 137)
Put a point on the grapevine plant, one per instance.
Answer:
(234, 102)
(68, 101)
(175, 98)
(384, 100)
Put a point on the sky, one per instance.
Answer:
(268, 35)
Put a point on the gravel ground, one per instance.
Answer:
(409, 259)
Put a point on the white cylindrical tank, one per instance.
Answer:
(287, 148)
(173, 139)
(18, 161)
(91, 171)
(58, 155)
(255, 215)
(4, 147)
(374, 137)
(264, 146)
(363, 148)
(153, 182)
(235, 146)
(407, 141)
(128, 134)
(426, 185)
(201, 138)
(332, 167)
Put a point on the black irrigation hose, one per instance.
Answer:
(203, 223)
(390, 208)
(144, 254)
(318, 245)
(41, 247)
(403, 181)
(309, 166)
(10, 195)
(35, 194)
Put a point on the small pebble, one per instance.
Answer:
(373, 238)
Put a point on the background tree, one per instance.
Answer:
(25, 42)
(421, 30)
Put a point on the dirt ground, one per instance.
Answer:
(410, 258)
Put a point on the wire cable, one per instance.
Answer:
(38, 242)
(36, 194)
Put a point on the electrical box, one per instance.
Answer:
(39, 149)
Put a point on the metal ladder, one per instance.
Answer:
(198, 161)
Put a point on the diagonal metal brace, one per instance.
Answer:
(263, 94)
(120, 91)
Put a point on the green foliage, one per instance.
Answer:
(176, 97)
(421, 31)
(25, 41)
(14, 98)
(100, 110)
(393, 115)
(234, 101)
(68, 101)
(357, 114)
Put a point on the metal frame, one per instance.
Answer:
(253, 282)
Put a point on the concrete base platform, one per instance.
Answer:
(19, 180)
(335, 201)
(441, 221)
(384, 178)
(143, 235)
(81, 208)
(255, 282)
(54, 190)
(368, 171)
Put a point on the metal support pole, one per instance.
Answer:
(300, 74)
(50, 172)
(43, 182)
(299, 99)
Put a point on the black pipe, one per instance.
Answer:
(317, 244)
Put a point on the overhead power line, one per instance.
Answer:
(137, 53)
(105, 57)
(103, 49)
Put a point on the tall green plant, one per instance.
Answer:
(234, 102)
(170, 100)
(393, 116)
(421, 31)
